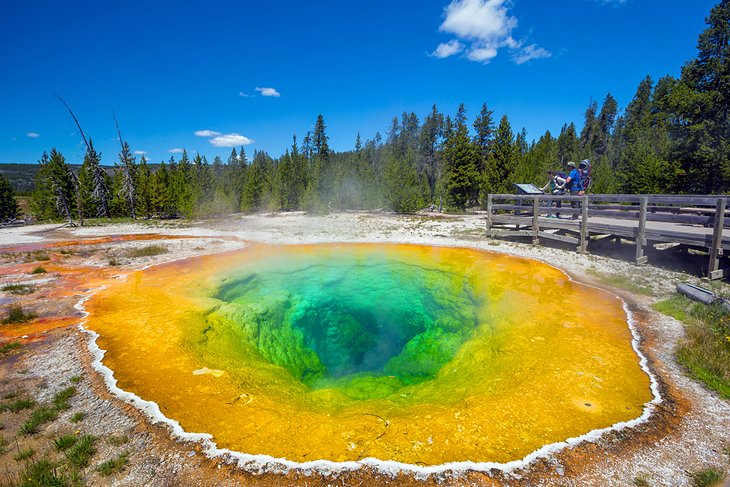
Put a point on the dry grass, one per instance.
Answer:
(147, 251)
(705, 350)
(19, 289)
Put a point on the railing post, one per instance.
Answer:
(641, 232)
(489, 213)
(583, 249)
(535, 224)
(714, 271)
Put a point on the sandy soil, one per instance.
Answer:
(687, 433)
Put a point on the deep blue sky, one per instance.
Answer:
(170, 68)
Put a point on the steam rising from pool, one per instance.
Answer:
(403, 353)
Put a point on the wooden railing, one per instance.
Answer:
(697, 221)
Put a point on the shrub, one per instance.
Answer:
(17, 315)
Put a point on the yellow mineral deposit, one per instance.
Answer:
(416, 354)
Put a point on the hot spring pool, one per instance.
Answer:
(421, 355)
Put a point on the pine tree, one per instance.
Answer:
(42, 203)
(568, 144)
(462, 160)
(62, 185)
(484, 126)
(429, 140)
(645, 166)
(9, 209)
(702, 108)
(319, 190)
(503, 159)
(144, 182)
(159, 191)
(94, 184)
(606, 124)
(589, 134)
(181, 187)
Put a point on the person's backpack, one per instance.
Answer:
(585, 176)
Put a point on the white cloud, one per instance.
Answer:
(446, 49)
(268, 92)
(486, 26)
(140, 152)
(530, 52)
(241, 93)
(230, 140)
(206, 133)
(33, 135)
(485, 20)
(175, 151)
(482, 54)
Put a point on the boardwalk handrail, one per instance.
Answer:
(682, 219)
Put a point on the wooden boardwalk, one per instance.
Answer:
(698, 222)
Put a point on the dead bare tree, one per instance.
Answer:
(129, 168)
(63, 204)
(59, 194)
(101, 191)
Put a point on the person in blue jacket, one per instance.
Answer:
(574, 184)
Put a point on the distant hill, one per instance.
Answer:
(21, 176)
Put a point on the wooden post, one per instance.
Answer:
(583, 249)
(489, 214)
(535, 224)
(714, 271)
(641, 232)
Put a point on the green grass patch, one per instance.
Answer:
(147, 251)
(63, 443)
(118, 440)
(19, 289)
(8, 347)
(60, 400)
(41, 473)
(76, 417)
(80, 454)
(75, 379)
(114, 465)
(705, 350)
(17, 405)
(707, 478)
(633, 284)
(16, 315)
(3, 444)
(39, 270)
(23, 455)
(39, 417)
